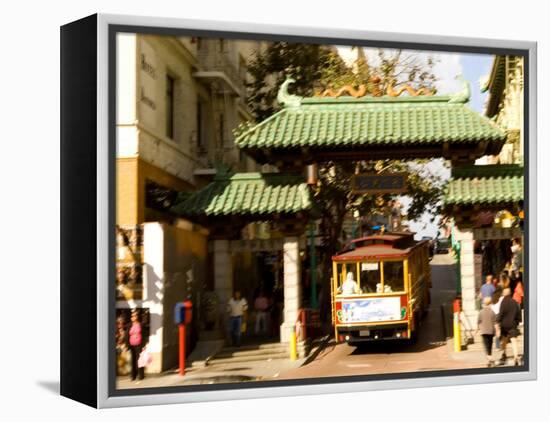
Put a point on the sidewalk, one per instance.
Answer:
(474, 353)
(201, 373)
(236, 372)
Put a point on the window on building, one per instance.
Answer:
(200, 131)
(242, 69)
(170, 84)
(221, 129)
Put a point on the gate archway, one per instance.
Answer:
(312, 130)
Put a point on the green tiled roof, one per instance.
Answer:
(355, 122)
(490, 184)
(248, 194)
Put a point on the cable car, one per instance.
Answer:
(380, 288)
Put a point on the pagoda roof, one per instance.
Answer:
(485, 185)
(415, 123)
(255, 196)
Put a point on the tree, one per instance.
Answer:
(270, 68)
(316, 68)
(336, 199)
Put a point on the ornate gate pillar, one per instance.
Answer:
(223, 276)
(292, 285)
(467, 275)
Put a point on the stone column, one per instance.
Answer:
(292, 285)
(223, 276)
(153, 292)
(467, 275)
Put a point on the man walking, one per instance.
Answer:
(236, 308)
(260, 306)
(509, 318)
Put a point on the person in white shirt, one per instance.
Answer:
(387, 288)
(350, 287)
(236, 308)
(496, 309)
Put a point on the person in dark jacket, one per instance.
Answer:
(509, 318)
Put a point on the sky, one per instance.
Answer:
(473, 67)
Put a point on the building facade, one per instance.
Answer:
(178, 100)
(505, 105)
(487, 199)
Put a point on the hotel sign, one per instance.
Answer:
(379, 183)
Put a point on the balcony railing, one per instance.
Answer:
(220, 62)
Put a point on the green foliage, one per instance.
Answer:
(336, 199)
(304, 62)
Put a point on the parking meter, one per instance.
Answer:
(183, 315)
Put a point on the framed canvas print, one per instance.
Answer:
(255, 211)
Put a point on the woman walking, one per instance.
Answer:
(486, 326)
(509, 318)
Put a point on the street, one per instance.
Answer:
(430, 352)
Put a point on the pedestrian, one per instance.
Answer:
(517, 256)
(236, 308)
(509, 318)
(487, 289)
(518, 292)
(504, 280)
(135, 339)
(261, 304)
(349, 286)
(486, 323)
(144, 360)
(497, 300)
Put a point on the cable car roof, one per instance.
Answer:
(379, 246)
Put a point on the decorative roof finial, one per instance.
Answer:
(484, 82)
(462, 96)
(286, 99)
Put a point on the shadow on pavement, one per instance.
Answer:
(51, 386)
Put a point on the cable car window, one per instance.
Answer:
(348, 281)
(370, 276)
(393, 276)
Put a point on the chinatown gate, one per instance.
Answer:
(472, 192)
(308, 131)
